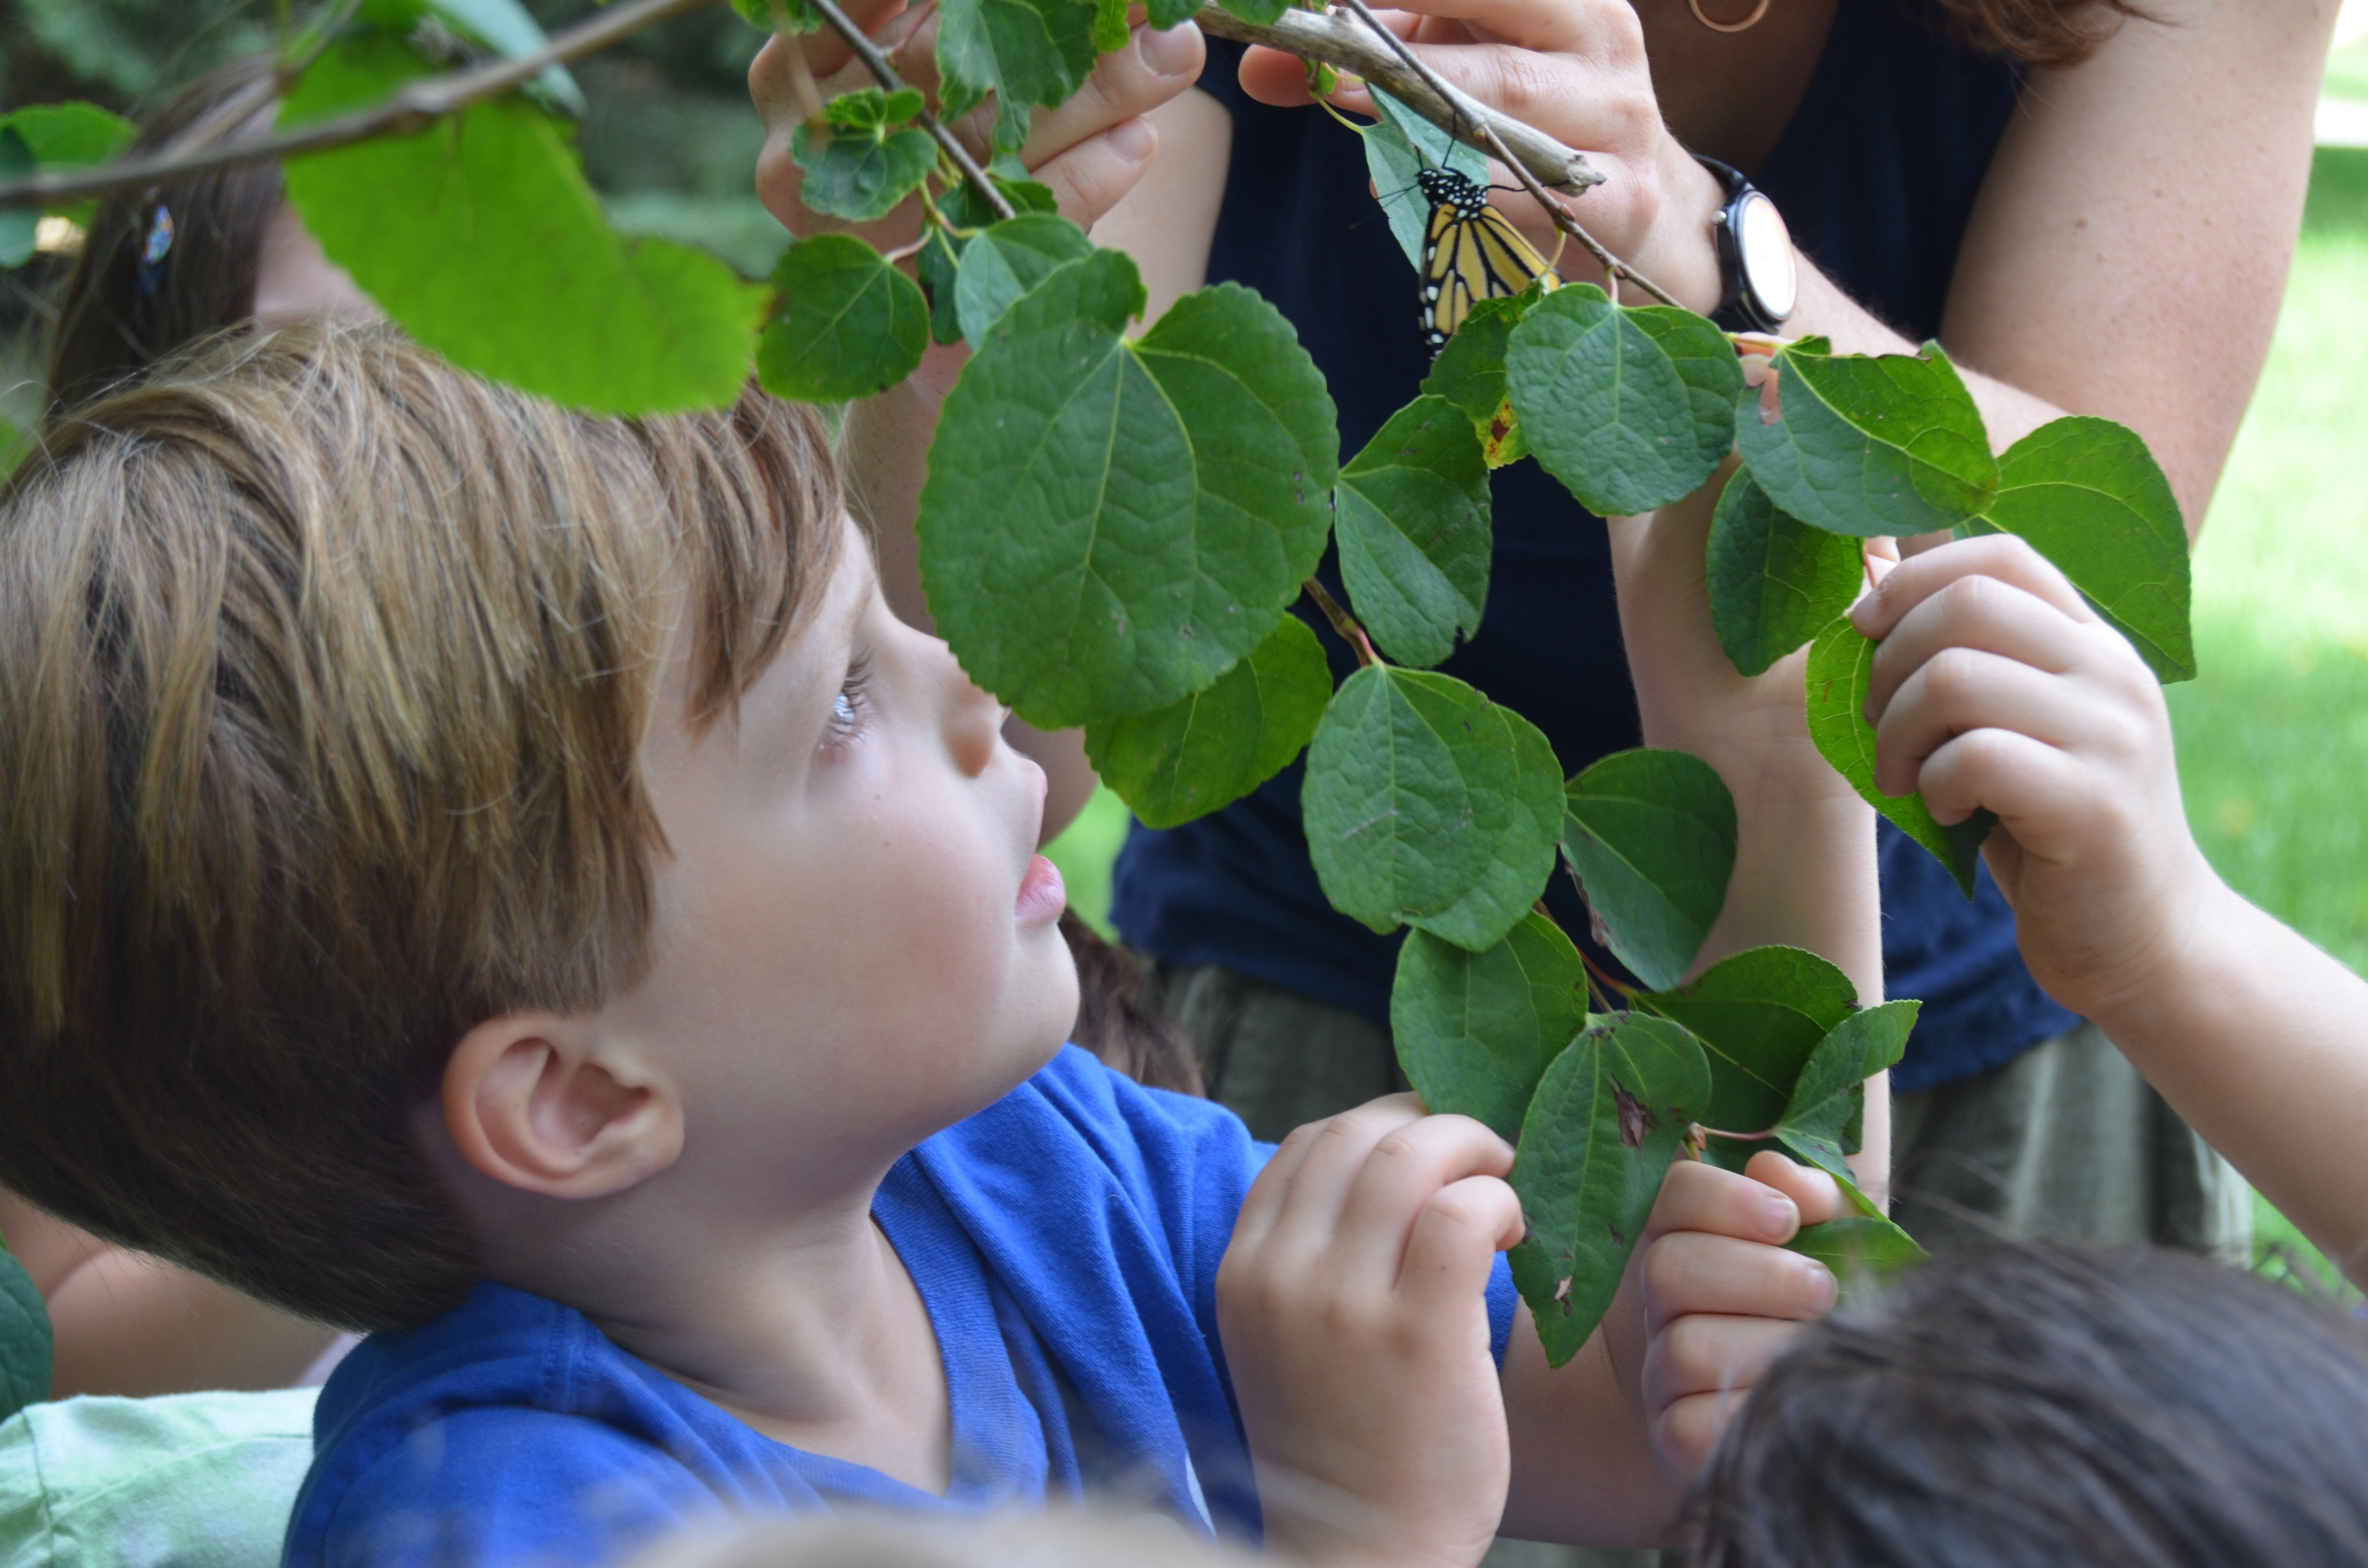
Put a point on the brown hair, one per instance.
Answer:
(2037, 33)
(324, 670)
(111, 324)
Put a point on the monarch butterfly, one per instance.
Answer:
(1469, 252)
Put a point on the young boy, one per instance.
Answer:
(500, 878)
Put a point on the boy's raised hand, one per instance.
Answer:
(1352, 1308)
(1997, 687)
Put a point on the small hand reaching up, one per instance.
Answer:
(1353, 1312)
(1998, 688)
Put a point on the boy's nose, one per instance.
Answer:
(973, 717)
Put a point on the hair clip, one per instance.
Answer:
(155, 248)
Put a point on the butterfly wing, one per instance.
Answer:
(1471, 252)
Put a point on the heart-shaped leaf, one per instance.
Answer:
(1186, 760)
(1607, 1119)
(850, 324)
(1109, 526)
(1007, 261)
(861, 173)
(1629, 408)
(1650, 835)
(2089, 496)
(1842, 668)
(1397, 149)
(1775, 582)
(1430, 806)
(942, 249)
(1024, 51)
(1476, 1031)
(502, 260)
(1889, 444)
(1821, 1122)
(1470, 373)
(1413, 528)
(1759, 1014)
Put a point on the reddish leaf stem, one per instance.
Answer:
(1344, 623)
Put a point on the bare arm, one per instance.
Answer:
(130, 1324)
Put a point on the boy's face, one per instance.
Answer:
(855, 942)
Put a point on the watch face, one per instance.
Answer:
(1764, 253)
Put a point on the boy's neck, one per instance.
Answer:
(807, 1326)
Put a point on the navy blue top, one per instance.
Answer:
(1064, 1241)
(1876, 175)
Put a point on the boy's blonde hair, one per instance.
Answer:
(324, 669)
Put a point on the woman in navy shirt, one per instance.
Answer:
(2026, 180)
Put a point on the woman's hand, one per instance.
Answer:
(1090, 150)
(1997, 687)
(1353, 1309)
(1575, 70)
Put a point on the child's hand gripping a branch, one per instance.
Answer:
(1997, 687)
(1351, 1308)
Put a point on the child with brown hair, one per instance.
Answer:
(500, 878)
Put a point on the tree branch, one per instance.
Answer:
(1341, 41)
(416, 106)
(877, 63)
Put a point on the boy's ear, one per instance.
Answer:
(543, 1104)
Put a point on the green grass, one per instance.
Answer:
(2273, 735)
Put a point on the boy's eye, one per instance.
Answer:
(850, 707)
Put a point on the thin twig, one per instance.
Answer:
(1345, 624)
(415, 108)
(1614, 269)
(1342, 42)
(877, 63)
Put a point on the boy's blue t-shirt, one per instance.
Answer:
(1066, 1242)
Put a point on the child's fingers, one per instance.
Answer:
(1710, 1354)
(1685, 1433)
(1699, 1196)
(1089, 179)
(1334, 1152)
(1405, 1171)
(1981, 612)
(1963, 690)
(1816, 1195)
(1455, 1238)
(2002, 556)
(1152, 68)
(1692, 1271)
(2020, 778)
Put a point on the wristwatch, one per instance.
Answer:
(1755, 255)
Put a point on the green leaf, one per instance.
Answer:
(1864, 1251)
(1631, 409)
(1650, 836)
(1413, 528)
(1842, 667)
(509, 31)
(1890, 444)
(1759, 1014)
(1608, 1118)
(778, 15)
(1428, 805)
(1470, 373)
(19, 225)
(1109, 26)
(861, 174)
(480, 237)
(1476, 1031)
(1186, 760)
(1821, 1120)
(70, 135)
(872, 110)
(1398, 148)
(940, 258)
(26, 1348)
(1004, 262)
(1774, 581)
(850, 324)
(2087, 495)
(1024, 51)
(1109, 526)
